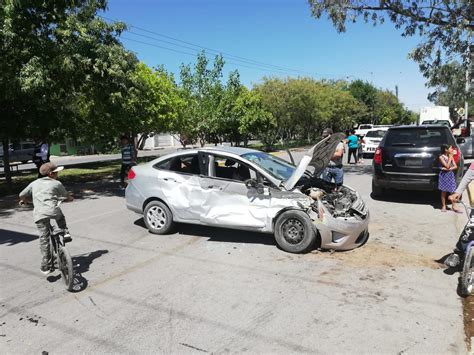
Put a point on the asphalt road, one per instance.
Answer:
(218, 291)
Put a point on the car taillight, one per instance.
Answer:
(378, 156)
(131, 174)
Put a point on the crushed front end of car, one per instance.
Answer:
(341, 217)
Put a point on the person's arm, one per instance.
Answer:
(452, 163)
(338, 153)
(25, 195)
(467, 178)
(62, 192)
(445, 166)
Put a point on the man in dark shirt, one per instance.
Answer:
(128, 158)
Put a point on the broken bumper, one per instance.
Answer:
(343, 233)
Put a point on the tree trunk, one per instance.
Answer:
(6, 165)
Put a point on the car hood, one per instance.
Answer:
(317, 157)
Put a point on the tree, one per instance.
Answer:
(152, 102)
(202, 90)
(366, 94)
(445, 26)
(449, 81)
(58, 62)
(253, 120)
(228, 117)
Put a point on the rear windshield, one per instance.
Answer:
(437, 122)
(376, 134)
(418, 137)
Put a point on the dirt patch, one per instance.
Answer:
(468, 313)
(375, 254)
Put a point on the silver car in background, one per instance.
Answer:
(247, 189)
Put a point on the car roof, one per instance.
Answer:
(233, 150)
(419, 126)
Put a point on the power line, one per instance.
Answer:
(195, 55)
(231, 56)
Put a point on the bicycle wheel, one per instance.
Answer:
(467, 275)
(65, 266)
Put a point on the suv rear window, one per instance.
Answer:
(376, 134)
(418, 137)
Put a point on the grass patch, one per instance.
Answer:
(73, 174)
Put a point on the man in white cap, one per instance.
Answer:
(45, 193)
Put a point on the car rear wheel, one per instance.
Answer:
(294, 232)
(377, 190)
(158, 218)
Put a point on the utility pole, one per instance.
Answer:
(470, 53)
(396, 91)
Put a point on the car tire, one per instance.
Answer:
(158, 218)
(377, 190)
(294, 232)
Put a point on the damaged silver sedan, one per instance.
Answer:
(247, 189)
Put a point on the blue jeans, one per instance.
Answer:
(335, 173)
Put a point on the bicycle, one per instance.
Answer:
(467, 273)
(60, 256)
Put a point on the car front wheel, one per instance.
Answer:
(294, 232)
(158, 218)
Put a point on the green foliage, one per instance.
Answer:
(449, 81)
(152, 102)
(254, 120)
(303, 107)
(202, 90)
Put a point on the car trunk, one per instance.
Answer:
(410, 160)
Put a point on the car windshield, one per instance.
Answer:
(375, 134)
(437, 122)
(418, 137)
(276, 167)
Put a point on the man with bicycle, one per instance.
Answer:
(45, 193)
(466, 236)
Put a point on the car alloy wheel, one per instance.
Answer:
(293, 231)
(156, 217)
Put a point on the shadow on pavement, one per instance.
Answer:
(431, 198)
(81, 264)
(11, 238)
(216, 234)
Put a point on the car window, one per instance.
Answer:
(365, 127)
(232, 169)
(278, 168)
(437, 122)
(188, 164)
(418, 137)
(375, 134)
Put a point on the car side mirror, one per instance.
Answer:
(251, 183)
(460, 140)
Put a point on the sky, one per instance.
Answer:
(270, 38)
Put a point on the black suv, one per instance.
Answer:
(407, 158)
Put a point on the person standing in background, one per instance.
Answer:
(40, 154)
(353, 144)
(360, 151)
(334, 171)
(128, 159)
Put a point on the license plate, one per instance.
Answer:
(413, 162)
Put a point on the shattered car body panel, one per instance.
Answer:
(210, 186)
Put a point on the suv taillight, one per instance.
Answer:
(378, 156)
(131, 174)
